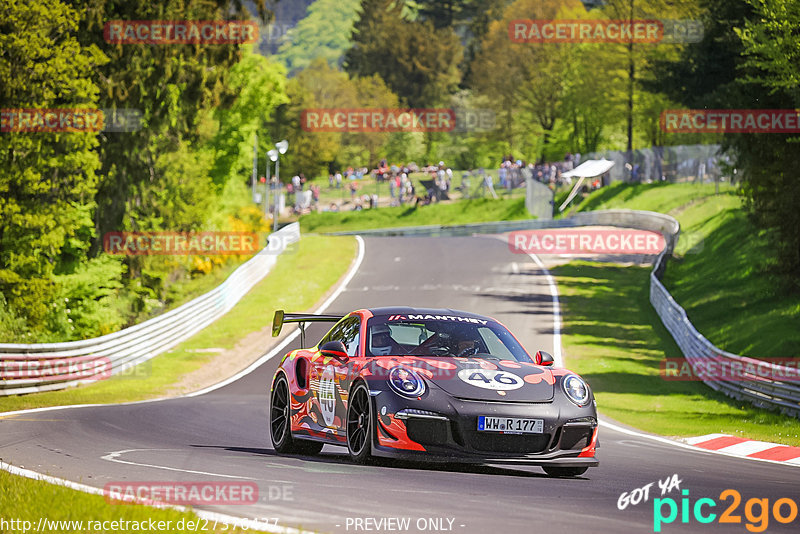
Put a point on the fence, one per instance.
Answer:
(763, 392)
(668, 163)
(61, 365)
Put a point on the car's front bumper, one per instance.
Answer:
(441, 428)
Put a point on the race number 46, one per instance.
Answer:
(489, 379)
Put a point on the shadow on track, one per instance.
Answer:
(388, 463)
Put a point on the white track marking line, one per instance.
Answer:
(682, 445)
(114, 457)
(703, 439)
(209, 516)
(557, 356)
(746, 448)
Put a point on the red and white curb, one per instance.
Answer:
(747, 448)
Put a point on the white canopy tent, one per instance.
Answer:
(588, 169)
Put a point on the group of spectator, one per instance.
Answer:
(336, 179)
(513, 173)
(438, 183)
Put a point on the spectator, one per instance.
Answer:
(502, 173)
(487, 182)
(465, 183)
(315, 195)
(290, 193)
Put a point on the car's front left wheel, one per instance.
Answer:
(360, 425)
(280, 427)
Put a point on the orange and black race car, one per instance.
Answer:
(430, 384)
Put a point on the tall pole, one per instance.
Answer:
(277, 194)
(266, 186)
(255, 167)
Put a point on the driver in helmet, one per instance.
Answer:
(467, 347)
(381, 342)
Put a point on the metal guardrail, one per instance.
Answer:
(783, 395)
(31, 368)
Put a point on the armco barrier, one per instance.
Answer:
(762, 392)
(114, 353)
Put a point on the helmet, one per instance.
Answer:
(380, 340)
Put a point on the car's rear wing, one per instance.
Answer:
(282, 317)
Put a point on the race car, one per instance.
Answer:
(430, 384)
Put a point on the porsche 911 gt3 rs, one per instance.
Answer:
(430, 384)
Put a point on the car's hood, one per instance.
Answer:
(478, 379)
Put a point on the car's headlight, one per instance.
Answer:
(576, 389)
(406, 382)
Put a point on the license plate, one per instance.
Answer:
(510, 425)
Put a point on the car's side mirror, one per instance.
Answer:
(543, 358)
(335, 349)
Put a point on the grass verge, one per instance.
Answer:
(462, 212)
(23, 499)
(727, 290)
(619, 354)
(300, 278)
(723, 288)
(661, 197)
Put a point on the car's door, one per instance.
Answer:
(334, 377)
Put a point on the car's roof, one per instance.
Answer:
(405, 310)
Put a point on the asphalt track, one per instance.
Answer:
(222, 436)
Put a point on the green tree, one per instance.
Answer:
(446, 13)
(593, 100)
(417, 61)
(172, 86)
(525, 81)
(323, 33)
(317, 86)
(637, 57)
(771, 161)
(704, 74)
(48, 180)
(748, 59)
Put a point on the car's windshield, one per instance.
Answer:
(442, 335)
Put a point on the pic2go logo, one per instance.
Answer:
(756, 511)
